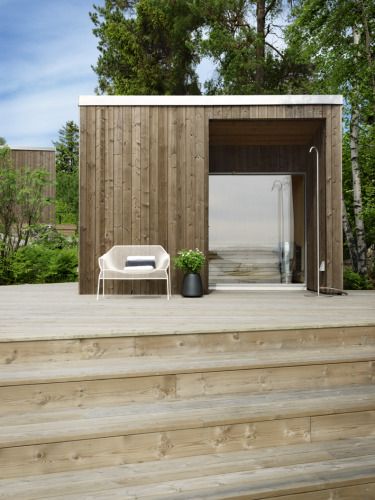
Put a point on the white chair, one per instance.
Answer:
(113, 265)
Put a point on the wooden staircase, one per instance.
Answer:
(286, 414)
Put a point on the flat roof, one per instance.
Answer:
(209, 100)
(30, 148)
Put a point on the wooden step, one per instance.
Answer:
(259, 484)
(32, 387)
(169, 344)
(50, 441)
(145, 366)
(304, 466)
(43, 427)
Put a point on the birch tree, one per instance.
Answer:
(336, 39)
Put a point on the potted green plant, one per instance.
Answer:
(190, 262)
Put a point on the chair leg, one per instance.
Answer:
(98, 288)
(169, 283)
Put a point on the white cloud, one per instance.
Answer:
(35, 118)
(45, 66)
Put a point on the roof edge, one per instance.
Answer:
(29, 148)
(205, 100)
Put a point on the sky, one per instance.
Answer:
(46, 52)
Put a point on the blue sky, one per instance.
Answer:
(46, 52)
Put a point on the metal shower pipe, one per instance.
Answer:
(314, 148)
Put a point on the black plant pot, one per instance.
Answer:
(192, 285)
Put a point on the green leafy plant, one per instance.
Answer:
(189, 261)
(22, 201)
(354, 281)
(40, 264)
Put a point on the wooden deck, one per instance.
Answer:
(56, 311)
(252, 395)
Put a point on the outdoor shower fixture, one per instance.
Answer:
(317, 218)
(285, 237)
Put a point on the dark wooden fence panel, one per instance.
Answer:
(40, 159)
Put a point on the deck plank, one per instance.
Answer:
(96, 480)
(45, 427)
(143, 366)
(56, 311)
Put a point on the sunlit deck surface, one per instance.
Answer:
(57, 311)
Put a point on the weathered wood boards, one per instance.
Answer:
(198, 415)
(144, 175)
(39, 159)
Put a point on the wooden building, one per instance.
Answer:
(145, 164)
(39, 159)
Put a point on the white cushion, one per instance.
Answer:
(140, 257)
(137, 269)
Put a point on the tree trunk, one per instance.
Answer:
(357, 193)
(260, 44)
(368, 45)
(349, 238)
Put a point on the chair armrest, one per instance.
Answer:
(102, 262)
(164, 262)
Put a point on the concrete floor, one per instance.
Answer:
(56, 311)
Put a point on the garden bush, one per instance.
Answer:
(354, 281)
(41, 264)
(49, 257)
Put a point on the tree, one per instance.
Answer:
(238, 35)
(67, 173)
(336, 39)
(146, 47)
(2, 141)
(21, 202)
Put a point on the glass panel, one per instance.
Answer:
(256, 229)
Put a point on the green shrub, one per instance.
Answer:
(6, 272)
(63, 267)
(40, 264)
(354, 281)
(30, 264)
(49, 237)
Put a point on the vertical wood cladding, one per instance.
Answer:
(144, 179)
(39, 159)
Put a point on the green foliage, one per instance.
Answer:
(189, 261)
(48, 258)
(41, 264)
(67, 197)
(6, 274)
(67, 174)
(354, 281)
(229, 37)
(21, 202)
(49, 237)
(336, 39)
(145, 47)
(67, 148)
(322, 35)
(2, 141)
(154, 46)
